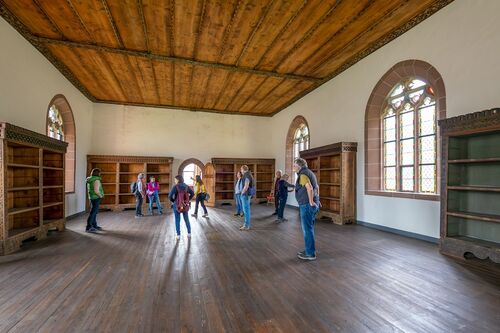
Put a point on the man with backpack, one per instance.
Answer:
(180, 196)
(138, 188)
(247, 193)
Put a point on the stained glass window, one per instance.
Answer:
(55, 126)
(409, 138)
(300, 141)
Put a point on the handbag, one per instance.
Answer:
(206, 196)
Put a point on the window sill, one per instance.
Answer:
(406, 195)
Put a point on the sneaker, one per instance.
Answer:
(243, 228)
(177, 237)
(98, 228)
(160, 213)
(237, 214)
(301, 253)
(306, 257)
(278, 220)
(205, 215)
(194, 215)
(138, 216)
(275, 213)
(91, 230)
(284, 220)
(189, 235)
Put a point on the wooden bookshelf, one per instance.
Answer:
(335, 169)
(118, 172)
(224, 173)
(32, 183)
(470, 185)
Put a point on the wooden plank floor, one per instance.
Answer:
(134, 277)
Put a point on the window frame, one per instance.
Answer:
(416, 137)
(372, 142)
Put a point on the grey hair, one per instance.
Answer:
(301, 162)
(140, 176)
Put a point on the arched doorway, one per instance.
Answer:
(190, 168)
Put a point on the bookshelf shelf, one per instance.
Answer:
(33, 179)
(470, 185)
(335, 169)
(224, 173)
(118, 172)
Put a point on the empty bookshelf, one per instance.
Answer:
(119, 172)
(32, 186)
(470, 186)
(335, 168)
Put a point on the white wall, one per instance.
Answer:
(28, 81)
(131, 130)
(462, 42)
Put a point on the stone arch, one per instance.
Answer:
(64, 108)
(373, 131)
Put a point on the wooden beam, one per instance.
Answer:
(152, 56)
(193, 109)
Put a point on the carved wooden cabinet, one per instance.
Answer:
(335, 168)
(225, 170)
(470, 185)
(32, 186)
(118, 172)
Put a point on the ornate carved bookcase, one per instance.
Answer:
(470, 186)
(32, 186)
(118, 172)
(335, 168)
(225, 170)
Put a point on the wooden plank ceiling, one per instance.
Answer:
(231, 56)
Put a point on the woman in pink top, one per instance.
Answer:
(153, 195)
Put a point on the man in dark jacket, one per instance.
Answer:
(180, 190)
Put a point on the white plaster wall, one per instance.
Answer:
(462, 41)
(145, 131)
(28, 81)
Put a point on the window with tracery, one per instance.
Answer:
(300, 141)
(409, 138)
(55, 126)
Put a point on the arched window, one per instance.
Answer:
(55, 127)
(297, 140)
(300, 140)
(61, 126)
(189, 173)
(401, 132)
(409, 138)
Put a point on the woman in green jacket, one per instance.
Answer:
(95, 193)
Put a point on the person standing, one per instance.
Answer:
(246, 194)
(180, 196)
(238, 186)
(95, 193)
(306, 193)
(140, 195)
(275, 191)
(283, 186)
(200, 193)
(153, 191)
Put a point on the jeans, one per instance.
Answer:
(94, 208)
(245, 204)
(276, 202)
(200, 198)
(281, 206)
(307, 218)
(138, 204)
(177, 216)
(152, 198)
(239, 208)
